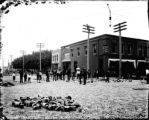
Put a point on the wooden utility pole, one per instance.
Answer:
(40, 45)
(90, 30)
(118, 28)
(23, 52)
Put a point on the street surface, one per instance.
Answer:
(98, 99)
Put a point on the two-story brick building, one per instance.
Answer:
(104, 54)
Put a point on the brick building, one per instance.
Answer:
(104, 55)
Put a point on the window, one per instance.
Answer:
(71, 52)
(78, 50)
(145, 51)
(140, 50)
(57, 58)
(94, 48)
(123, 49)
(129, 48)
(114, 47)
(85, 49)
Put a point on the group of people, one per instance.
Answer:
(26, 75)
(57, 74)
(81, 74)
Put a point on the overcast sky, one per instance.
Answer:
(57, 25)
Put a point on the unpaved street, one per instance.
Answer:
(98, 99)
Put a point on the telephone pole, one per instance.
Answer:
(11, 56)
(1, 27)
(23, 52)
(90, 30)
(118, 28)
(40, 45)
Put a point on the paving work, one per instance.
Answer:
(125, 100)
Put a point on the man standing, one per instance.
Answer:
(68, 74)
(47, 75)
(21, 76)
(84, 75)
(25, 76)
(107, 76)
(13, 76)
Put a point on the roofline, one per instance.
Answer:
(99, 36)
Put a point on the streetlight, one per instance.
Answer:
(110, 15)
(90, 30)
(118, 28)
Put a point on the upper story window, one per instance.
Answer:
(94, 48)
(57, 58)
(130, 48)
(85, 49)
(71, 52)
(145, 51)
(123, 49)
(140, 50)
(113, 47)
(78, 51)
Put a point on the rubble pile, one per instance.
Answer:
(50, 103)
(6, 84)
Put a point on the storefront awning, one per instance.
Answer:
(66, 60)
(123, 60)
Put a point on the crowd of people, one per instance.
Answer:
(79, 74)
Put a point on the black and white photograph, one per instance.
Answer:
(74, 59)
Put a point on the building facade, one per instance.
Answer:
(104, 55)
(65, 57)
(56, 59)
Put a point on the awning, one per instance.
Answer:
(66, 60)
(123, 60)
(145, 61)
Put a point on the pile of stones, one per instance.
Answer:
(65, 104)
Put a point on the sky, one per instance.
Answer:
(56, 25)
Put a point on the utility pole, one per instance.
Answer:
(23, 52)
(90, 30)
(148, 10)
(40, 45)
(11, 61)
(1, 27)
(118, 28)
